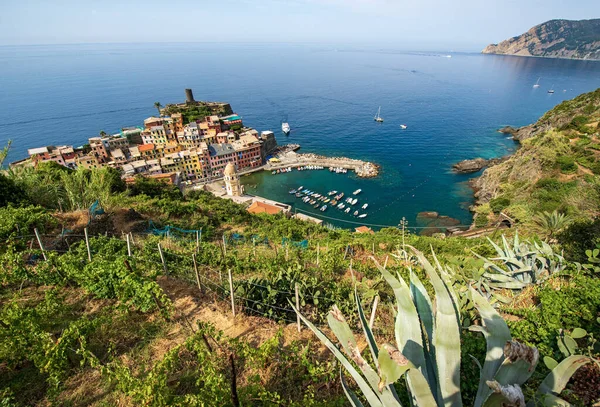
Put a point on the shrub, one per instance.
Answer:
(497, 205)
(566, 164)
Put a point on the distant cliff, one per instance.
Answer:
(554, 39)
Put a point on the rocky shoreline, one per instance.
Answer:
(476, 164)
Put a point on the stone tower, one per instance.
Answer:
(232, 181)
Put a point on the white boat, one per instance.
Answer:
(285, 127)
(355, 213)
(364, 215)
(347, 210)
(537, 84)
(403, 126)
(365, 206)
(341, 206)
(354, 201)
(323, 208)
(378, 117)
(551, 90)
(358, 191)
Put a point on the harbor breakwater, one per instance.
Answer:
(363, 169)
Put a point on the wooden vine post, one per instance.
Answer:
(297, 305)
(128, 246)
(318, 251)
(37, 235)
(162, 259)
(197, 274)
(87, 243)
(231, 292)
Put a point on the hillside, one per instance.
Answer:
(554, 39)
(557, 167)
(134, 304)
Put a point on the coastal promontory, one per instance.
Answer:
(554, 39)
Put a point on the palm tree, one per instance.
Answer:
(102, 133)
(157, 105)
(552, 223)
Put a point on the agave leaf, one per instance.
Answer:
(365, 388)
(391, 369)
(425, 311)
(550, 400)
(446, 337)
(408, 325)
(502, 278)
(455, 300)
(354, 401)
(496, 334)
(419, 389)
(515, 285)
(496, 247)
(558, 378)
(365, 327)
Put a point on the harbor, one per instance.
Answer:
(291, 159)
(347, 204)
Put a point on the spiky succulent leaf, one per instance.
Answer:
(446, 337)
(367, 391)
(365, 326)
(408, 325)
(496, 334)
(419, 389)
(558, 378)
(354, 401)
(392, 365)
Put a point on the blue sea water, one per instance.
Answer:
(452, 107)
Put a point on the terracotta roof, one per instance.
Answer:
(261, 207)
(364, 229)
(145, 147)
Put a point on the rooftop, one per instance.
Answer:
(261, 207)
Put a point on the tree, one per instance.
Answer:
(102, 133)
(157, 105)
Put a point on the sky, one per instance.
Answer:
(452, 25)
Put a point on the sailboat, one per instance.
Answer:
(551, 90)
(537, 84)
(378, 117)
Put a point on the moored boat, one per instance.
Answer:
(358, 191)
(365, 206)
(347, 210)
(364, 215)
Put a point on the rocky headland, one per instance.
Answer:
(554, 39)
(476, 164)
(557, 166)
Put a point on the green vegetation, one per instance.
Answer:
(127, 323)
(555, 170)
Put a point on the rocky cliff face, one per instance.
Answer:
(554, 39)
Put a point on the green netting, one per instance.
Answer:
(302, 244)
(171, 231)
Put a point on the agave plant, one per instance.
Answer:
(523, 264)
(427, 350)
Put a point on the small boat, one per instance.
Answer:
(355, 213)
(334, 202)
(403, 126)
(347, 210)
(537, 84)
(332, 193)
(378, 117)
(551, 90)
(285, 127)
(300, 188)
(316, 205)
(274, 172)
(327, 200)
(364, 215)
(358, 191)
(323, 208)
(312, 202)
(292, 191)
(354, 201)
(365, 206)
(341, 206)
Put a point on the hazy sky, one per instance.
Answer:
(415, 24)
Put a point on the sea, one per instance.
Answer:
(452, 104)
